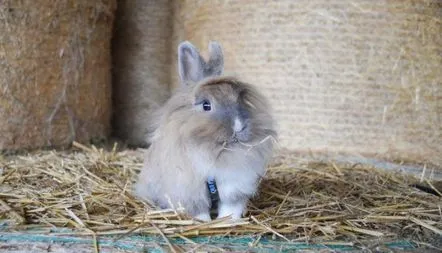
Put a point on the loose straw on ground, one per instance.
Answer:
(89, 190)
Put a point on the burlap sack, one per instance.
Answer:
(141, 53)
(55, 80)
(357, 77)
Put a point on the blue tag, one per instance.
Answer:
(213, 192)
(212, 187)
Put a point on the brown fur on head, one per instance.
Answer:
(229, 98)
(231, 102)
(238, 118)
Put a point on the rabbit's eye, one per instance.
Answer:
(207, 106)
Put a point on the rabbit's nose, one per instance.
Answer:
(238, 125)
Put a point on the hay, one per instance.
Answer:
(356, 77)
(54, 72)
(89, 190)
(141, 65)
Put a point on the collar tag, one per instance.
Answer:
(213, 192)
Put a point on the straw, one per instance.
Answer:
(89, 191)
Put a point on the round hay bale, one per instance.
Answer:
(55, 80)
(141, 55)
(356, 77)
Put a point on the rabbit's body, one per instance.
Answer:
(182, 179)
(213, 127)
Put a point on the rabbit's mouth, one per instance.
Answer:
(229, 142)
(235, 139)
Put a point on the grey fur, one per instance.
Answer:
(192, 67)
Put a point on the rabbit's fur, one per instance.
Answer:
(232, 142)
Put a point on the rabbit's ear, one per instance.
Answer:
(215, 66)
(190, 63)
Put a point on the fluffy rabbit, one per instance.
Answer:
(213, 127)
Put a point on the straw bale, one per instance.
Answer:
(141, 65)
(356, 77)
(55, 80)
(88, 192)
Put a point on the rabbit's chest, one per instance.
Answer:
(232, 184)
(235, 175)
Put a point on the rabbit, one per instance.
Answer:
(213, 127)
